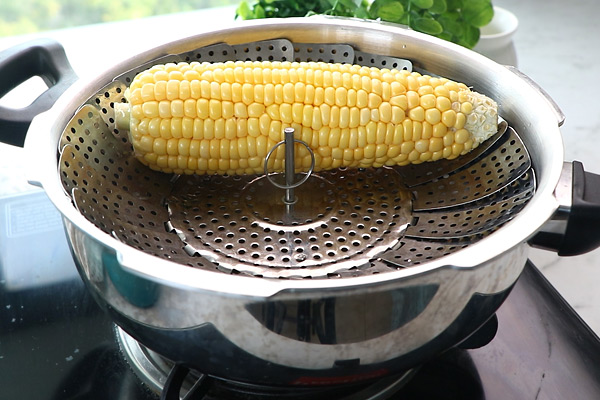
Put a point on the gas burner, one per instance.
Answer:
(171, 380)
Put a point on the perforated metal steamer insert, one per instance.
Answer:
(346, 222)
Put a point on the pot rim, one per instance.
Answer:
(514, 234)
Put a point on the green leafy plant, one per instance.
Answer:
(458, 21)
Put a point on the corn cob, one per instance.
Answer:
(223, 118)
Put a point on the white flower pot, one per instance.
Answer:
(496, 41)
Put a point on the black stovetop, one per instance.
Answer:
(55, 343)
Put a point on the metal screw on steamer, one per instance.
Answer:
(289, 199)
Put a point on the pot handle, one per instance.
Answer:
(574, 228)
(45, 58)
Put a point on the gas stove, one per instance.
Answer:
(56, 343)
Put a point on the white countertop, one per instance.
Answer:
(556, 46)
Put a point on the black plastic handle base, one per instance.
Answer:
(583, 227)
(45, 58)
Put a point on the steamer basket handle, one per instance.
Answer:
(45, 58)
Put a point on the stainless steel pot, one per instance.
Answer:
(313, 331)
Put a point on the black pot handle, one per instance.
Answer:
(575, 228)
(45, 58)
(583, 227)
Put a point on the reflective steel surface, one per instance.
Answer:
(55, 343)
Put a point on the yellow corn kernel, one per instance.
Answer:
(422, 145)
(412, 82)
(159, 146)
(162, 162)
(160, 90)
(344, 117)
(427, 101)
(385, 112)
(307, 115)
(306, 136)
(344, 139)
(255, 110)
(468, 146)
(400, 102)
(317, 122)
(253, 127)
(264, 124)
(436, 144)
(150, 109)
(147, 92)
(164, 109)
(341, 96)
(414, 155)
(172, 89)
(417, 130)
(426, 156)
(334, 137)
(288, 93)
(177, 109)
(417, 114)
(381, 132)
(236, 92)
(351, 98)
(362, 98)
(184, 90)
(189, 108)
(449, 118)
(374, 100)
(297, 112)
(449, 139)
(398, 115)
(269, 94)
(334, 118)
(154, 127)
(427, 130)
(433, 116)
(175, 128)
(413, 99)
(461, 136)
(285, 112)
(187, 127)
(380, 150)
(466, 108)
(386, 90)
(457, 149)
(439, 130)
